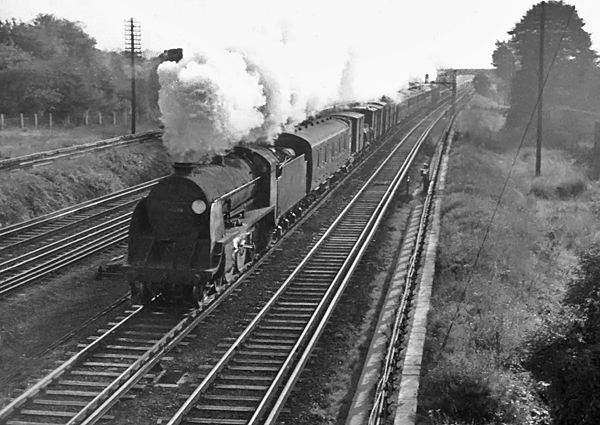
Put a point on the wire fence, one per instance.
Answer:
(87, 118)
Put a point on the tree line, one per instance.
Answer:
(570, 64)
(51, 65)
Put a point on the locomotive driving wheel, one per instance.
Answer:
(245, 253)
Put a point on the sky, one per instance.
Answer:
(254, 68)
(458, 33)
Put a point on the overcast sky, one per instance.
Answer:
(456, 33)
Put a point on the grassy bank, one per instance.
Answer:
(18, 142)
(490, 303)
(25, 194)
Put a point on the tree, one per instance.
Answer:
(51, 64)
(565, 352)
(504, 60)
(568, 58)
(482, 83)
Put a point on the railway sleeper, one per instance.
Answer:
(212, 421)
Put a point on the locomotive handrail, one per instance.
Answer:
(238, 189)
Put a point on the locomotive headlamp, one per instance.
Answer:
(198, 206)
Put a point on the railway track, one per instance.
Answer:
(34, 249)
(43, 158)
(384, 401)
(84, 388)
(256, 372)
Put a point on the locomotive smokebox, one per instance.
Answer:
(183, 168)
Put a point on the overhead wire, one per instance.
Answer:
(489, 226)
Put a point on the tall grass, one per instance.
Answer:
(483, 316)
(18, 142)
(25, 194)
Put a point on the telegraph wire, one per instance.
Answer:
(489, 226)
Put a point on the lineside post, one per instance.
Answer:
(133, 45)
(538, 151)
(453, 92)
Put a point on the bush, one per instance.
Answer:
(467, 392)
(566, 351)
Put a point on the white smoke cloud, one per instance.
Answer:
(208, 102)
(263, 66)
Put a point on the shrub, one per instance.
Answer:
(565, 352)
(468, 391)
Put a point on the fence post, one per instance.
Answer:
(100, 118)
(1, 121)
(22, 121)
(124, 117)
(68, 119)
(35, 120)
(114, 118)
(50, 116)
(87, 117)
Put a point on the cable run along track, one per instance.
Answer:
(33, 249)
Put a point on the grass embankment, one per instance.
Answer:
(490, 323)
(25, 194)
(17, 142)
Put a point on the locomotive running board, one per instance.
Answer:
(250, 218)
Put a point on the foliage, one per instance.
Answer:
(504, 60)
(26, 194)
(566, 352)
(482, 83)
(511, 350)
(52, 65)
(569, 61)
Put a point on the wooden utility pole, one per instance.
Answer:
(538, 153)
(133, 44)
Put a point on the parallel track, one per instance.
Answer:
(384, 399)
(36, 248)
(43, 158)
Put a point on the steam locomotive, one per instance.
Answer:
(203, 224)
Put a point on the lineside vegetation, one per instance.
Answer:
(514, 340)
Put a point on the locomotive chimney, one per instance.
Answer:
(183, 168)
(218, 160)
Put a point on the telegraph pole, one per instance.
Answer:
(133, 45)
(454, 91)
(538, 153)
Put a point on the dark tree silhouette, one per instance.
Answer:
(52, 65)
(573, 69)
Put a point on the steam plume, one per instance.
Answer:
(269, 74)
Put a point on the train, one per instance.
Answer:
(202, 225)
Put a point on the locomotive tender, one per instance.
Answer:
(204, 223)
